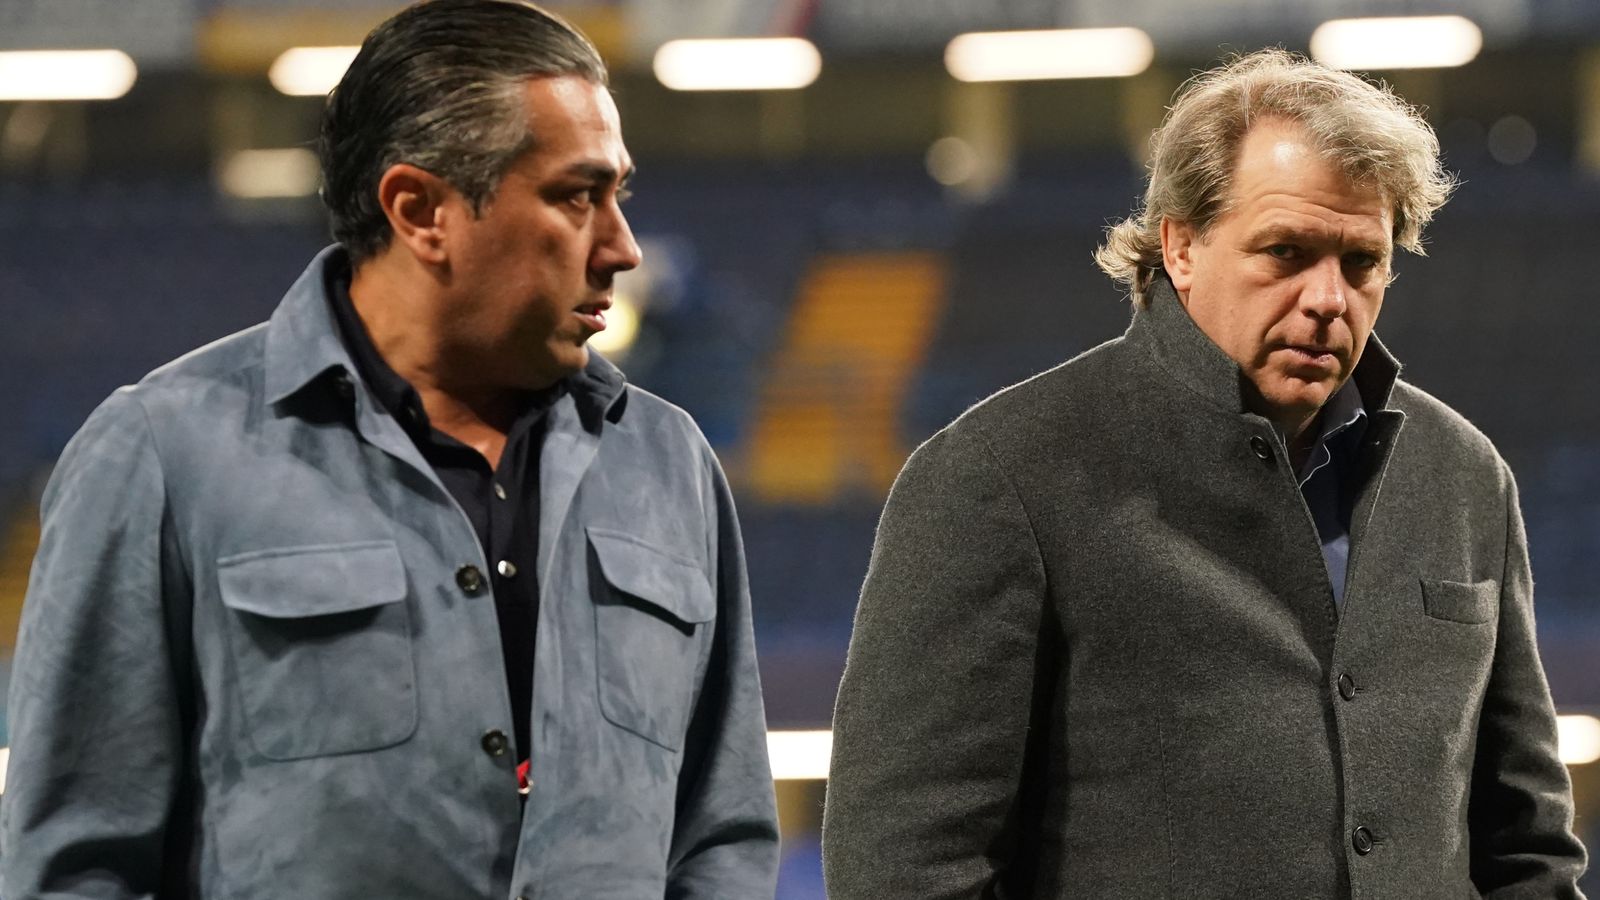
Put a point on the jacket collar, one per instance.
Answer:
(302, 344)
(1164, 328)
(302, 340)
(599, 391)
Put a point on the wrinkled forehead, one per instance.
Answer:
(1280, 156)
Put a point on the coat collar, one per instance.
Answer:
(302, 344)
(1164, 328)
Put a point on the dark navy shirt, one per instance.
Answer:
(501, 503)
(1328, 479)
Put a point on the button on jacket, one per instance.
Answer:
(259, 655)
(1098, 655)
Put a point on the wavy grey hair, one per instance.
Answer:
(1375, 137)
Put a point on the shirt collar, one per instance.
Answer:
(1343, 412)
(304, 341)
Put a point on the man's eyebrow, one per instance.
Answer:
(1289, 234)
(599, 173)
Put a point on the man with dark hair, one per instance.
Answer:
(1221, 608)
(403, 593)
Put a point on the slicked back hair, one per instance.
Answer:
(439, 86)
(1362, 128)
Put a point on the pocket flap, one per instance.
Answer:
(655, 576)
(323, 580)
(1454, 601)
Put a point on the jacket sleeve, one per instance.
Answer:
(933, 716)
(1520, 812)
(96, 751)
(725, 838)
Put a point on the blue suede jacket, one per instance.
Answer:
(255, 663)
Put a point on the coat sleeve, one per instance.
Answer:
(725, 838)
(933, 716)
(96, 751)
(1520, 812)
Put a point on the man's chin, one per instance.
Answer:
(1295, 400)
(564, 362)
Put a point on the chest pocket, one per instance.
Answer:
(652, 610)
(1470, 604)
(321, 639)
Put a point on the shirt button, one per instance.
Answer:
(1361, 840)
(343, 384)
(1262, 449)
(469, 579)
(499, 491)
(506, 569)
(494, 742)
(1347, 686)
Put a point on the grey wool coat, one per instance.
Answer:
(1097, 655)
(259, 661)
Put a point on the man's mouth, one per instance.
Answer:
(593, 315)
(1312, 354)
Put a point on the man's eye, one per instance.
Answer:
(1282, 251)
(581, 199)
(1361, 261)
(624, 195)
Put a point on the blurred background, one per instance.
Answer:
(850, 235)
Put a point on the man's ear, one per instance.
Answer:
(1177, 253)
(414, 201)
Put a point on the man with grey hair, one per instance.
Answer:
(404, 593)
(1221, 608)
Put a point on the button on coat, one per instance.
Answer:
(1347, 686)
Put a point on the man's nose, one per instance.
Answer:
(1324, 293)
(616, 250)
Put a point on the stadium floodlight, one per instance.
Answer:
(310, 71)
(800, 755)
(1058, 53)
(737, 64)
(66, 74)
(258, 174)
(1579, 739)
(1397, 42)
